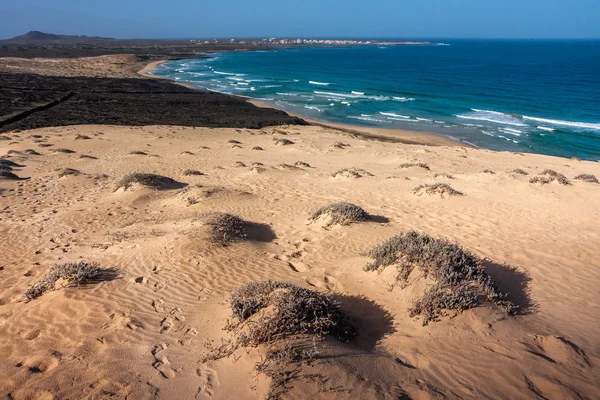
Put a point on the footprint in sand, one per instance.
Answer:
(172, 320)
(161, 362)
(209, 382)
(557, 349)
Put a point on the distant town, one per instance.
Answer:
(300, 41)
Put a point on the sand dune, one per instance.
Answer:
(142, 332)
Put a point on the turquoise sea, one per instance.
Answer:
(526, 96)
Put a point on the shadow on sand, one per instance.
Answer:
(515, 283)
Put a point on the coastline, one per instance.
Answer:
(381, 134)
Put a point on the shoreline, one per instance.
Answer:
(394, 135)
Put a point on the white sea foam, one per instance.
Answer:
(345, 103)
(223, 73)
(319, 83)
(488, 133)
(544, 128)
(313, 108)
(492, 116)
(511, 131)
(358, 93)
(369, 118)
(333, 94)
(403, 99)
(388, 114)
(573, 124)
(423, 119)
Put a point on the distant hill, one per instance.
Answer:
(37, 37)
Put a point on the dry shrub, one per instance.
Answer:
(411, 165)
(31, 152)
(43, 144)
(302, 164)
(188, 153)
(342, 213)
(68, 171)
(7, 162)
(82, 137)
(138, 153)
(8, 175)
(459, 276)
(239, 164)
(154, 181)
(88, 156)
(71, 273)
(587, 178)
(232, 141)
(351, 173)
(520, 171)
(443, 175)
(549, 175)
(192, 172)
(257, 148)
(283, 142)
(226, 228)
(489, 171)
(282, 316)
(340, 145)
(5, 167)
(437, 188)
(2, 137)
(65, 151)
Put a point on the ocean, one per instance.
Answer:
(520, 96)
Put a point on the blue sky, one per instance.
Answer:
(306, 18)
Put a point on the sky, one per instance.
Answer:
(306, 18)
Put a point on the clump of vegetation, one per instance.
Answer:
(226, 228)
(283, 142)
(442, 175)
(82, 137)
(14, 152)
(10, 163)
(5, 167)
(31, 152)
(520, 171)
(71, 273)
(88, 156)
(437, 188)
(258, 148)
(189, 153)
(342, 213)
(302, 164)
(549, 175)
(351, 173)
(138, 153)
(2, 137)
(68, 171)
(154, 181)
(239, 164)
(489, 171)
(287, 166)
(459, 276)
(65, 151)
(8, 175)
(44, 144)
(340, 145)
(232, 141)
(192, 200)
(257, 164)
(587, 178)
(283, 317)
(410, 165)
(192, 172)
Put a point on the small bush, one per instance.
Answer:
(31, 152)
(302, 164)
(549, 175)
(340, 145)
(489, 171)
(2, 137)
(410, 165)
(45, 145)
(437, 188)
(587, 178)
(520, 171)
(283, 142)
(82, 137)
(258, 148)
(442, 175)
(72, 273)
(188, 153)
(5, 167)
(192, 172)
(351, 173)
(8, 175)
(342, 213)
(138, 153)
(10, 163)
(232, 141)
(65, 151)
(226, 228)
(88, 156)
(154, 181)
(68, 171)
(458, 274)
(239, 164)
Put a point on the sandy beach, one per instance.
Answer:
(144, 327)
